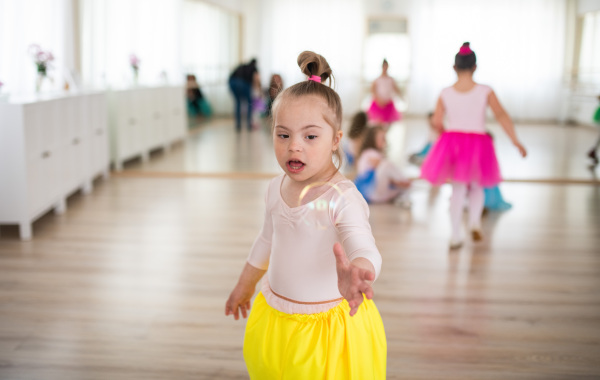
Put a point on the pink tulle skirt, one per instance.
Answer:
(462, 157)
(385, 114)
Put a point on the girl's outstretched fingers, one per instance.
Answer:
(341, 260)
(353, 281)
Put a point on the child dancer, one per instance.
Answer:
(382, 110)
(314, 317)
(419, 157)
(275, 87)
(464, 154)
(377, 178)
(356, 133)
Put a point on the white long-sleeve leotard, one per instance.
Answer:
(295, 245)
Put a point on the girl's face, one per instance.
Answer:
(380, 141)
(384, 68)
(304, 140)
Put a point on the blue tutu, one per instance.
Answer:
(365, 183)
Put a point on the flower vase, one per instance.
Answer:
(38, 82)
(135, 77)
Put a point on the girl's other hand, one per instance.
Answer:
(239, 300)
(353, 281)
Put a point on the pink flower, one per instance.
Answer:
(134, 61)
(34, 49)
(39, 55)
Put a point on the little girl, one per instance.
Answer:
(314, 317)
(464, 154)
(419, 157)
(382, 110)
(377, 178)
(356, 134)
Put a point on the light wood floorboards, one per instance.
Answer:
(130, 282)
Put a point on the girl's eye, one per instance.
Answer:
(311, 137)
(283, 136)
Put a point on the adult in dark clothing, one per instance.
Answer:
(240, 84)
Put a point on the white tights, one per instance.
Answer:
(457, 201)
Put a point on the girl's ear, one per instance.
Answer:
(337, 138)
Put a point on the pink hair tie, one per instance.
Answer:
(315, 78)
(465, 50)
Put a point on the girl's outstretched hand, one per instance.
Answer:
(353, 281)
(239, 300)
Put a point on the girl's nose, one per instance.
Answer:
(295, 145)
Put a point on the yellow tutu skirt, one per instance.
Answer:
(328, 345)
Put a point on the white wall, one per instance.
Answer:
(434, 34)
(231, 5)
(581, 101)
(587, 6)
(251, 30)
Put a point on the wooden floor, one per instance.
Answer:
(130, 283)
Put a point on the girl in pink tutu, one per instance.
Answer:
(382, 110)
(464, 153)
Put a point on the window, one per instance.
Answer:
(589, 56)
(210, 49)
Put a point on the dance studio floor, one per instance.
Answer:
(130, 283)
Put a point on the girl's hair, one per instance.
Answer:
(314, 64)
(358, 125)
(465, 59)
(370, 141)
(275, 86)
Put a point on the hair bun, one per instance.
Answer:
(311, 63)
(465, 49)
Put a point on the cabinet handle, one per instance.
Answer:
(99, 132)
(46, 154)
(157, 115)
(76, 141)
(132, 121)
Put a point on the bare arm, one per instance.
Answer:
(438, 116)
(505, 121)
(396, 88)
(240, 297)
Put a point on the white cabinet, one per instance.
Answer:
(144, 119)
(49, 148)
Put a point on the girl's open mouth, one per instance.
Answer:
(295, 166)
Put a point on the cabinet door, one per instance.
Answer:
(124, 123)
(74, 143)
(43, 156)
(98, 134)
(158, 117)
(138, 121)
(177, 121)
(145, 106)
